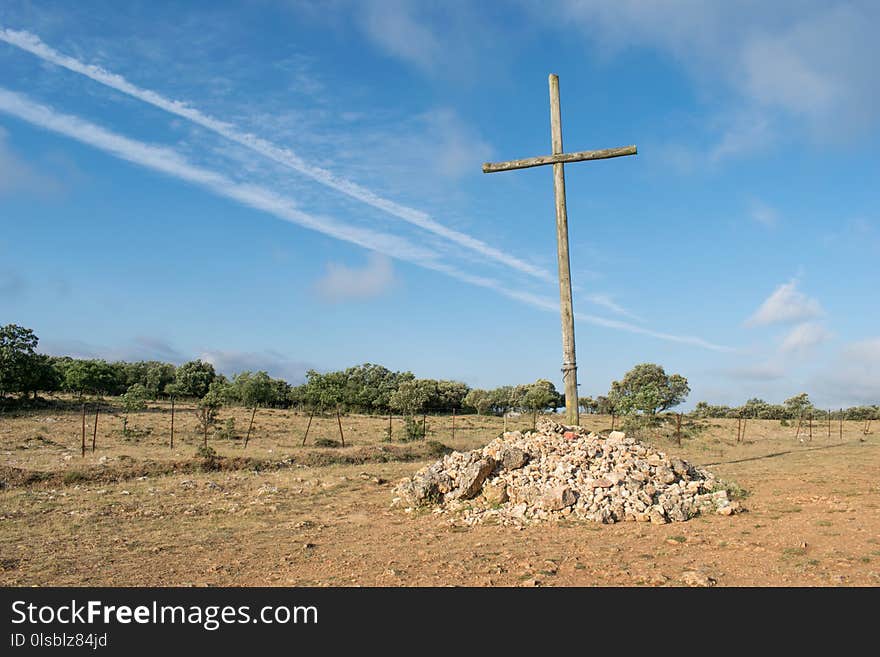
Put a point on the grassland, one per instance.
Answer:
(135, 512)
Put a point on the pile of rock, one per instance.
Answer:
(558, 471)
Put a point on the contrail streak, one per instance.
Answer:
(33, 44)
(171, 163)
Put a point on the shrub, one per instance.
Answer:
(436, 448)
(205, 452)
(413, 429)
(228, 430)
(326, 442)
(73, 477)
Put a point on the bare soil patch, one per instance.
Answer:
(324, 518)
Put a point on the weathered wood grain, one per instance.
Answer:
(560, 158)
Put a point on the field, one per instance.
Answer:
(135, 512)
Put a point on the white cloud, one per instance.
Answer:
(171, 163)
(452, 155)
(807, 59)
(803, 337)
(785, 305)
(608, 303)
(854, 377)
(343, 283)
(764, 214)
(392, 26)
(456, 149)
(766, 371)
(276, 364)
(742, 133)
(139, 348)
(17, 176)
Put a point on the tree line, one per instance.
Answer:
(366, 388)
(794, 408)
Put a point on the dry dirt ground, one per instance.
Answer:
(135, 512)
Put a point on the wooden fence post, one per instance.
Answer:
(390, 415)
(811, 426)
(250, 426)
(172, 422)
(678, 430)
(798, 432)
(453, 423)
(339, 422)
(95, 431)
(424, 426)
(829, 424)
(841, 424)
(308, 426)
(84, 429)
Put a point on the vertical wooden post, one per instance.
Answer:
(424, 426)
(453, 423)
(829, 424)
(868, 426)
(840, 427)
(95, 430)
(339, 422)
(678, 430)
(739, 422)
(505, 421)
(84, 429)
(811, 426)
(797, 433)
(569, 362)
(742, 438)
(172, 423)
(308, 426)
(390, 415)
(250, 426)
(612, 421)
(205, 418)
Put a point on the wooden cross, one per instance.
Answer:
(558, 160)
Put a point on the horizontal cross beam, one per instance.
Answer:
(604, 154)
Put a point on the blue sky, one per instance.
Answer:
(285, 185)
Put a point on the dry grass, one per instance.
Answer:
(279, 513)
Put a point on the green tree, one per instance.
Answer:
(411, 397)
(647, 388)
(17, 353)
(502, 399)
(193, 379)
(798, 405)
(588, 405)
(209, 404)
(450, 395)
(539, 396)
(90, 376)
(41, 374)
(157, 377)
(135, 398)
(253, 390)
(479, 400)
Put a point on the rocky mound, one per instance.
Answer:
(558, 471)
